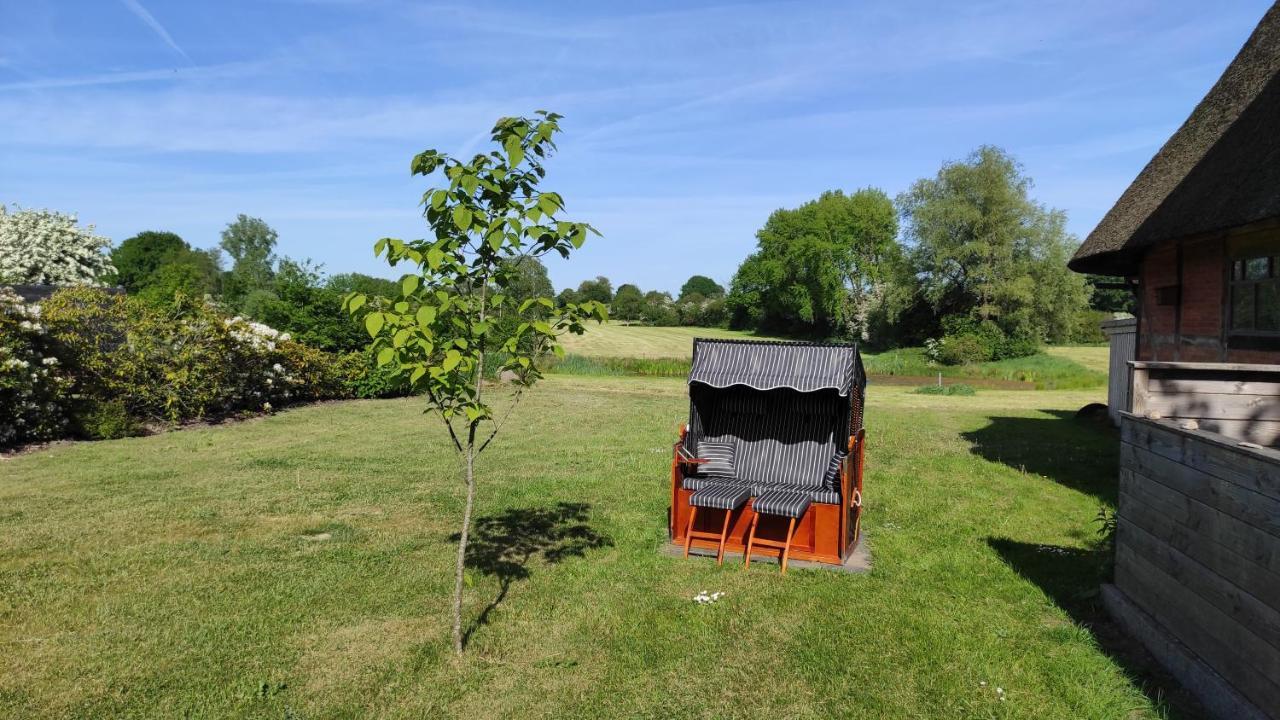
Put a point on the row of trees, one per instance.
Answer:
(701, 302)
(966, 255)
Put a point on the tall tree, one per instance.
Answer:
(48, 247)
(438, 331)
(251, 243)
(701, 285)
(599, 290)
(529, 279)
(628, 303)
(982, 248)
(816, 266)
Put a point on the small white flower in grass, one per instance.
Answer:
(704, 598)
(982, 683)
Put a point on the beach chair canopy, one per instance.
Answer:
(785, 407)
(804, 367)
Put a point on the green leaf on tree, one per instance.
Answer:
(373, 323)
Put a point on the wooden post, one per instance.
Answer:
(688, 533)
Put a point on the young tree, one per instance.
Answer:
(439, 331)
(50, 248)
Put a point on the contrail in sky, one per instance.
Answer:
(136, 8)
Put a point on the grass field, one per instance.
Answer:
(300, 566)
(616, 349)
(640, 341)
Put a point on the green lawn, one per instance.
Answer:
(639, 341)
(292, 567)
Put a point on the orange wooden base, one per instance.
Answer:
(817, 535)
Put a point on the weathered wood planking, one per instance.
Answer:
(1243, 607)
(1235, 568)
(1215, 405)
(1240, 401)
(1198, 542)
(1253, 544)
(1254, 469)
(1247, 662)
(1252, 507)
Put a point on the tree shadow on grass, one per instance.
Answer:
(504, 545)
(1071, 578)
(1076, 453)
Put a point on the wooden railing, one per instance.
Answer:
(1239, 401)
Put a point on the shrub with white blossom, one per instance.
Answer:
(33, 386)
(50, 248)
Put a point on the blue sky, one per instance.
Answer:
(686, 124)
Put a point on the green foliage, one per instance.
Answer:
(964, 350)
(34, 388)
(702, 286)
(136, 258)
(659, 309)
(457, 306)
(1110, 300)
(817, 268)
(1044, 370)
(981, 248)
(695, 310)
(364, 378)
(947, 390)
(186, 273)
(107, 420)
(440, 326)
(177, 362)
(310, 310)
(599, 290)
(628, 303)
(250, 242)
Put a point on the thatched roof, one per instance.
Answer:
(1220, 170)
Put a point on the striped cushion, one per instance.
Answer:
(779, 436)
(720, 459)
(821, 495)
(697, 483)
(721, 497)
(787, 503)
(831, 480)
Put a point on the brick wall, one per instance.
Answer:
(1192, 329)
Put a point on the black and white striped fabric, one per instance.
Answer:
(695, 482)
(786, 503)
(721, 497)
(831, 480)
(818, 495)
(804, 367)
(719, 456)
(781, 437)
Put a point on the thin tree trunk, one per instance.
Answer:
(460, 570)
(462, 550)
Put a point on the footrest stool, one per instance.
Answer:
(786, 503)
(715, 497)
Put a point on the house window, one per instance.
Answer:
(1255, 296)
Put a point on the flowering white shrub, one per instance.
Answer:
(933, 349)
(33, 389)
(255, 334)
(47, 247)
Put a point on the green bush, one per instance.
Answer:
(107, 420)
(364, 379)
(963, 350)
(967, 340)
(34, 387)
